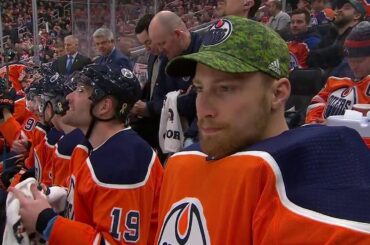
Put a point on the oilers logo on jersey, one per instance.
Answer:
(339, 101)
(38, 168)
(293, 63)
(69, 212)
(185, 224)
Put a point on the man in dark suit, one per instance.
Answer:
(72, 61)
(146, 120)
(109, 55)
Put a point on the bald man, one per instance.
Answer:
(72, 60)
(242, 8)
(169, 33)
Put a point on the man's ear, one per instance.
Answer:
(178, 33)
(357, 16)
(103, 107)
(281, 93)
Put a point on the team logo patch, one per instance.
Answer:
(186, 79)
(127, 73)
(293, 63)
(346, 92)
(185, 224)
(218, 33)
(54, 78)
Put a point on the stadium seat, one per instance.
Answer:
(305, 84)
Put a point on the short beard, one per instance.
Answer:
(235, 141)
(343, 22)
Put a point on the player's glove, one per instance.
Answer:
(7, 99)
(12, 166)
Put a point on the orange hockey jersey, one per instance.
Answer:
(338, 95)
(62, 156)
(14, 73)
(12, 130)
(113, 194)
(38, 137)
(290, 189)
(43, 154)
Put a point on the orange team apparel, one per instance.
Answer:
(290, 189)
(113, 194)
(62, 157)
(338, 95)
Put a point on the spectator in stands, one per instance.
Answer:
(301, 39)
(340, 94)
(147, 121)
(244, 8)
(73, 60)
(279, 20)
(304, 4)
(109, 55)
(169, 32)
(329, 52)
(321, 14)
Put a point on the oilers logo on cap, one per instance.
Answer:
(218, 33)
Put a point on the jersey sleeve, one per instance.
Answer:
(10, 129)
(316, 108)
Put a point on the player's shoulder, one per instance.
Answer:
(68, 143)
(53, 136)
(334, 82)
(315, 163)
(124, 159)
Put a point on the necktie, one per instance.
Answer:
(69, 64)
(104, 60)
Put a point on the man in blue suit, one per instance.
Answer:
(109, 54)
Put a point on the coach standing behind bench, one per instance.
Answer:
(72, 61)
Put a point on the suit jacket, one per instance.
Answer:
(116, 61)
(59, 65)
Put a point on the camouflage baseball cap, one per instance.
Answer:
(236, 45)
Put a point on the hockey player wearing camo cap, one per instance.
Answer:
(250, 180)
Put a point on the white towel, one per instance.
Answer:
(14, 232)
(171, 136)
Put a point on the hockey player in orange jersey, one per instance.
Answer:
(115, 176)
(250, 180)
(340, 94)
(19, 123)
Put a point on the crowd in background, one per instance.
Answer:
(54, 22)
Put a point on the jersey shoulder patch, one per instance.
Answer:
(325, 169)
(124, 159)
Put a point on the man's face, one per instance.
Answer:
(234, 7)
(168, 43)
(303, 4)
(70, 46)
(271, 8)
(344, 15)
(103, 45)
(360, 66)
(78, 114)
(318, 5)
(233, 109)
(60, 52)
(298, 24)
(144, 39)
